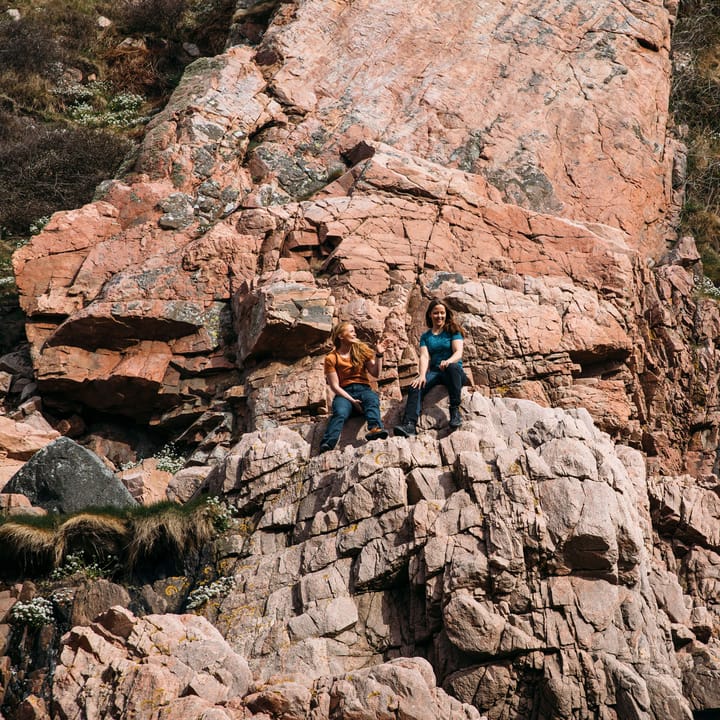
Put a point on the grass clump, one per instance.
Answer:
(165, 531)
(107, 542)
(27, 545)
(97, 535)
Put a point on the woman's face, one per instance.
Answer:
(348, 334)
(438, 315)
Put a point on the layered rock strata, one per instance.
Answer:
(351, 160)
(170, 293)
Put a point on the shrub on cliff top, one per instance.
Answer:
(695, 103)
(27, 45)
(149, 16)
(46, 167)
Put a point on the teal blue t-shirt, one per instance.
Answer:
(439, 346)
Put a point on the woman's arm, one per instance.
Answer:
(420, 380)
(374, 366)
(457, 351)
(334, 382)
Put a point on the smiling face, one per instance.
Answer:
(347, 333)
(437, 316)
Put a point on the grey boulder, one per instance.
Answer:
(65, 477)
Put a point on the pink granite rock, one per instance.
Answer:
(431, 175)
(20, 440)
(146, 663)
(352, 161)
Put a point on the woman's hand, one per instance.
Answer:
(420, 380)
(374, 366)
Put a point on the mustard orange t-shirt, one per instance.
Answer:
(346, 372)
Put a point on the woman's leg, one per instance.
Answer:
(453, 377)
(371, 405)
(341, 411)
(413, 406)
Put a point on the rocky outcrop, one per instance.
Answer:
(515, 554)
(161, 659)
(179, 667)
(557, 556)
(510, 563)
(279, 190)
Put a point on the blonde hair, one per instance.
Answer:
(360, 352)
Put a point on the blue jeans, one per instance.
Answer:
(342, 409)
(452, 377)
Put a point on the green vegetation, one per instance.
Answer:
(169, 459)
(205, 592)
(7, 279)
(75, 563)
(77, 80)
(695, 104)
(107, 541)
(33, 614)
(47, 167)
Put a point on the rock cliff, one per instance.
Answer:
(555, 558)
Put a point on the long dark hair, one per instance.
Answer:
(451, 324)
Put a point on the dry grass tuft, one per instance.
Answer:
(145, 540)
(172, 530)
(139, 70)
(95, 535)
(26, 547)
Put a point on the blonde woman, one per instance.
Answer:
(348, 368)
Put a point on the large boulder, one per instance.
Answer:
(138, 665)
(64, 477)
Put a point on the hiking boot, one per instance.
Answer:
(377, 433)
(455, 419)
(325, 448)
(405, 430)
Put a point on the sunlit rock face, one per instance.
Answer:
(367, 158)
(514, 554)
(350, 160)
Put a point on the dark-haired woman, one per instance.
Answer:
(441, 349)
(347, 371)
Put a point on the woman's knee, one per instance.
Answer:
(341, 407)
